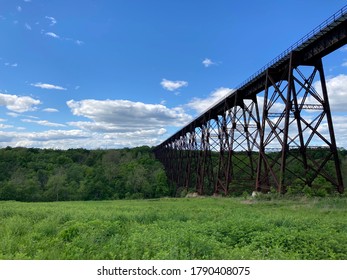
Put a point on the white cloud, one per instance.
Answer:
(59, 139)
(65, 139)
(109, 124)
(202, 104)
(3, 126)
(52, 20)
(337, 92)
(18, 104)
(56, 36)
(173, 85)
(124, 115)
(340, 129)
(123, 123)
(12, 114)
(208, 62)
(43, 123)
(19, 8)
(103, 127)
(51, 34)
(47, 86)
(50, 110)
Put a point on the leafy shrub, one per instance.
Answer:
(296, 188)
(180, 228)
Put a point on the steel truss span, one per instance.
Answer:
(273, 131)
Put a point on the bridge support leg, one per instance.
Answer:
(225, 152)
(205, 176)
(292, 149)
(333, 148)
(238, 138)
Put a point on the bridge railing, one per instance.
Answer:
(298, 44)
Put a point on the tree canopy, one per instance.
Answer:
(30, 174)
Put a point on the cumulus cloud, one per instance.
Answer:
(123, 123)
(18, 104)
(340, 128)
(109, 124)
(48, 86)
(337, 92)
(59, 139)
(124, 115)
(65, 139)
(173, 85)
(202, 104)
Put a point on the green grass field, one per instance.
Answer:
(196, 228)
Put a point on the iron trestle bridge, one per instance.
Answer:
(273, 130)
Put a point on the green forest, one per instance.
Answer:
(33, 175)
(30, 174)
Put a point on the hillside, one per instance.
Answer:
(28, 174)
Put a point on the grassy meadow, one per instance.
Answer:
(182, 228)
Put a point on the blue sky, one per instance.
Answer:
(123, 73)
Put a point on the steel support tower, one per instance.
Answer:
(274, 130)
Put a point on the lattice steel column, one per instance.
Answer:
(293, 112)
(333, 148)
(251, 121)
(205, 177)
(225, 152)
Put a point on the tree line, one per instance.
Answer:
(30, 174)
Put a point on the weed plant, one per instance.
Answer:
(182, 228)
